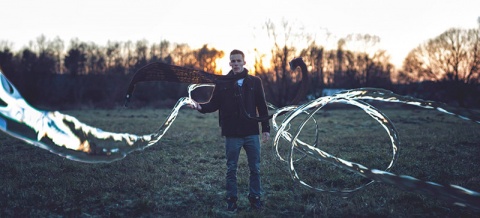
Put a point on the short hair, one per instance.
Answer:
(236, 51)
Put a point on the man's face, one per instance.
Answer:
(237, 63)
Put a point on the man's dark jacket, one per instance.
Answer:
(235, 103)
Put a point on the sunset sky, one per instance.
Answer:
(225, 25)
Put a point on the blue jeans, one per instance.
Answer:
(233, 145)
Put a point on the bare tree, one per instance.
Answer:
(207, 58)
(76, 58)
(452, 56)
(113, 53)
(280, 83)
(159, 52)
(182, 55)
(46, 57)
(141, 53)
(362, 63)
(96, 59)
(7, 64)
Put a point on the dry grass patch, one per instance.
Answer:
(183, 175)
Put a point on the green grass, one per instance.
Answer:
(183, 175)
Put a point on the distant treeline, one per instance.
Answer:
(88, 75)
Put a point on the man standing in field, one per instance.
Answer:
(240, 98)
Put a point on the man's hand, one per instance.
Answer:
(195, 105)
(265, 137)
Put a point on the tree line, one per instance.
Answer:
(93, 75)
(445, 68)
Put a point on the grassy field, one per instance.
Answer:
(183, 175)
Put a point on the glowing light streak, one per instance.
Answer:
(459, 195)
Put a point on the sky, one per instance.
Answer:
(401, 25)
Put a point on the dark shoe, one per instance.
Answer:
(255, 202)
(232, 204)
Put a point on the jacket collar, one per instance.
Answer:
(231, 77)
